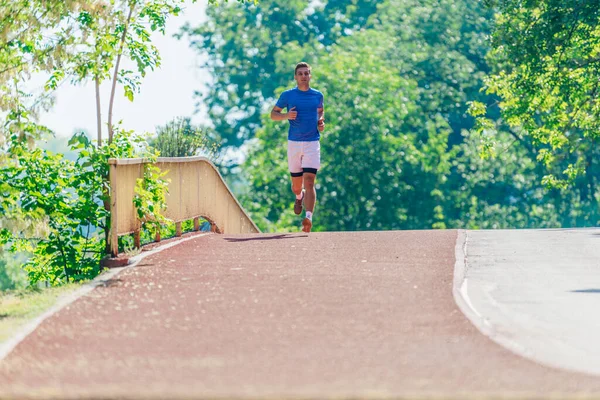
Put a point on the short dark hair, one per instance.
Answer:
(301, 65)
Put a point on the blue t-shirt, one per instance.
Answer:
(304, 127)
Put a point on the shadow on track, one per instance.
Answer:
(284, 236)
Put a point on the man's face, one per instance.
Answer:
(302, 76)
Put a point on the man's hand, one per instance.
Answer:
(291, 114)
(321, 125)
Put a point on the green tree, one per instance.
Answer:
(74, 41)
(35, 36)
(547, 77)
(179, 138)
(442, 45)
(503, 192)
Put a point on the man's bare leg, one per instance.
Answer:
(297, 185)
(297, 189)
(310, 198)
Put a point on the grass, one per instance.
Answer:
(18, 307)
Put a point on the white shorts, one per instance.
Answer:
(304, 157)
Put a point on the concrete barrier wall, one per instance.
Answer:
(196, 189)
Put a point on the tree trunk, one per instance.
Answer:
(98, 111)
(116, 73)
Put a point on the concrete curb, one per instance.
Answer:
(7, 346)
(459, 286)
(462, 300)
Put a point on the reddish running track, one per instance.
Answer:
(324, 315)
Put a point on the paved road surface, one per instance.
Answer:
(325, 315)
(538, 292)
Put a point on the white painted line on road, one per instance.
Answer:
(7, 346)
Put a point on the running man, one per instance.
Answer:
(305, 114)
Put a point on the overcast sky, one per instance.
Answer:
(165, 93)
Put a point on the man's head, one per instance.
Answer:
(302, 74)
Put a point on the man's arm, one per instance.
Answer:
(321, 119)
(277, 115)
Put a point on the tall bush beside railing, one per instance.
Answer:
(53, 209)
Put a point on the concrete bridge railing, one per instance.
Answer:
(196, 189)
